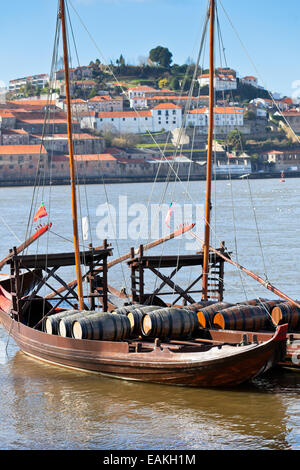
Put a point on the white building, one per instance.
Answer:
(249, 80)
(39, 81)
(222, 82)
(223, 117)
(167, 116)
(139, 91)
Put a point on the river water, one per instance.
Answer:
(47, 407)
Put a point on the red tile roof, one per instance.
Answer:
(105, 98)
(167, 106)
(94, 157)
(125, 114)
(22, 149)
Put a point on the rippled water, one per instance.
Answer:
(46, 407)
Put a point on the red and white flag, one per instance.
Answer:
(40, 213)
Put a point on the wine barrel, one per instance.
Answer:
(286, 313)
(253, 302)
(126, 309)
(199, 305)
(205, 315)
(135, 317)
(243, 317)
(102, 326)
(65, 323)
(172, 323)
(51, 324)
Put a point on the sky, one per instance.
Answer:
(262, 37)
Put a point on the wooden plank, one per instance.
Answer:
(60, 259)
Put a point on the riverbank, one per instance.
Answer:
(143, 179)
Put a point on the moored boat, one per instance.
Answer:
(184, 356)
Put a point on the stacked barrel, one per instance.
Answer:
(258, 315)
(175, 322)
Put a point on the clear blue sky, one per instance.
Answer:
(268, 28)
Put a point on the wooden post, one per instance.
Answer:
(91, 276)
(71, 156)
(221, 274)
(133, 277)
(16, 283)
(141, 274)
(209, 153)
(104, 279)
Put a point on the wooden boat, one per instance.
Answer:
(197, 363)
(228, 360)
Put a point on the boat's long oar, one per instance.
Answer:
(27, 243)
(180, 231)
(257, 278)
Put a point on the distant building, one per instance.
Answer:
(293, 118)
(106, 103)
(166, 116)
(283, 160)
(183, 101)
(222, 82)
(229, 116)
(21, 161)
(39, 81)
(249, 80)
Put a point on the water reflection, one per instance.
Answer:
(53, 408)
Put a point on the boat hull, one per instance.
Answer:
(159, 365)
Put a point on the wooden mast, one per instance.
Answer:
(71, 155)
(209, 154)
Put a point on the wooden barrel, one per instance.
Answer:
(102, 326)
(65, 323)
(126, 309)
(253, 302)
(135, 317)
(172, 323)
(243, 317)
(199, 305)
(286, 313)
(51, 324)
(205, 315)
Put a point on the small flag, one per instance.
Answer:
(40, 213)
(167, 220)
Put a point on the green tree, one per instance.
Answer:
(161, 56)
(174, 84)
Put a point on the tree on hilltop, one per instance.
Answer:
(161, 56)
